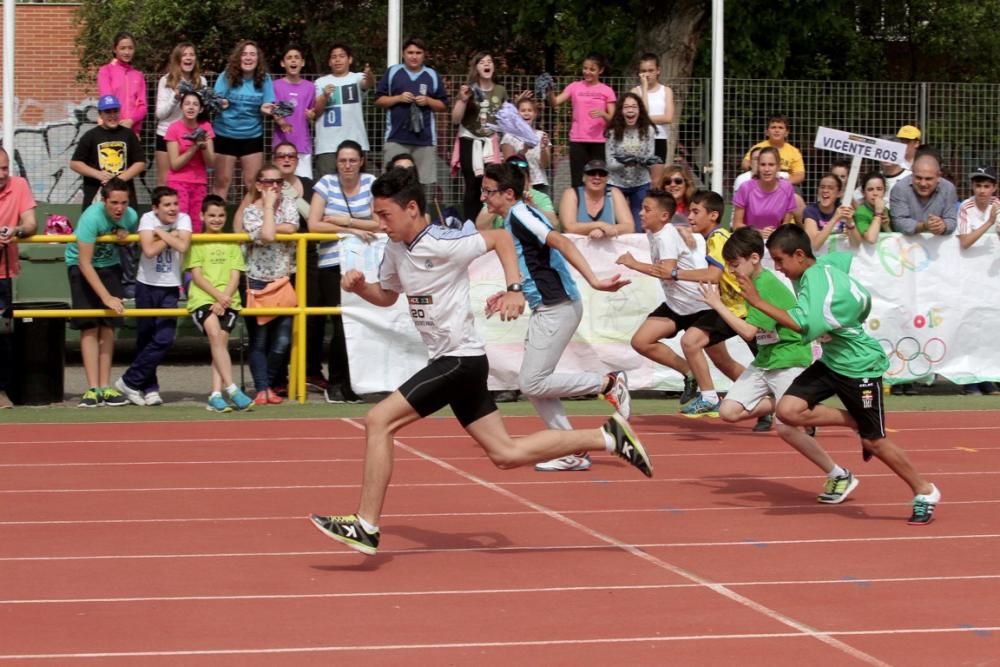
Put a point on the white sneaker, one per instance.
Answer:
(153, 398)
(133, 395)
(565, 464)
(618, 395)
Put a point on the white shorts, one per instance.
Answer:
(755, 384)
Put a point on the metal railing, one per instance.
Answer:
(297, 366)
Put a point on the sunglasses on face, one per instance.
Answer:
(599, 174)
(286, 156)
(269, 181)
(677, 180)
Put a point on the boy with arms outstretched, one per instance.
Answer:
(430, 264)
(831, 304)
(781, 356)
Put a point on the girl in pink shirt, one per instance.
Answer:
(120, 79)
(593, 106)
(190, 148)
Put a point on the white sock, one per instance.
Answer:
(232, 389)
(214, 394)
(836, 472)
(710, 396)
(370, 529)
(609, 442)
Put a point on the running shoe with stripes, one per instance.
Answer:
(627, 445)
(113, 398)
(836, 489)
(347, 530)
(923, 507)
(701, 408)
(617, 394)
(571, 463)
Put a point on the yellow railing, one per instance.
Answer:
(297, 367)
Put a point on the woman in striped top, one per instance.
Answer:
(342, 204)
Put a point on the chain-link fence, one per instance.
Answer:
(961, 120)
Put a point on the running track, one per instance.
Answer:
(187, 544)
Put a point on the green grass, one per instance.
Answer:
(188, 411)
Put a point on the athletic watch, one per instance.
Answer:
(673, 274)
(515, 287)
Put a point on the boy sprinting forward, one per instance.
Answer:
(544, 256)
(682, 307)
(164, 237)
(781, 356)
(831, 304)
(214, 303)
(430, 264)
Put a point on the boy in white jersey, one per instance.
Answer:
(833, 305)
(430, 264)
(164, 236)
(544, 256)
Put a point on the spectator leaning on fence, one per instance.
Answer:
(339, 109)
(924, 202)
(767, 201)
(95, 282)
(871, 216)
(411, 93)
(17, 220)
(164, 234)
(792, 166)
(595, 209)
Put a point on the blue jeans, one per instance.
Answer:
(269, 344)
(153, 338)
(635, 195)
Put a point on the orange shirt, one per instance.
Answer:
(15, 199)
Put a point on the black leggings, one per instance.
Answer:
(580, 153)
(323, 289)
(471, 200)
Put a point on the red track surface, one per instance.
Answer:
(188, 544)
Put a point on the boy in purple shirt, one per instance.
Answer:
(299, 94)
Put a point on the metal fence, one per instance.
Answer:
(961, 120)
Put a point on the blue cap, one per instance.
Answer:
(108, 102)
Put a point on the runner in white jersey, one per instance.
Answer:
(430, 265)
(544, 257)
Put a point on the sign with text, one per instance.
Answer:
(861, 146)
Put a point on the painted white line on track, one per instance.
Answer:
(491, 591)
(590, 641)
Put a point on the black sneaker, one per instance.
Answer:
(347, 530)
(334, 395)
(350, 396)
(691, 391)
(627, 445)
(923, 507)
(763, 424)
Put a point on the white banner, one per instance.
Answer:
(861, 146)
(926, 313)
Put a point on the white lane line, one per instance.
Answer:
(451, 515)
(491, 591)
(540, 482)
(591, 641)
(415, 551)
(649, 558)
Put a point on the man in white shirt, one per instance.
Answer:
(430, 264)
(164, 235)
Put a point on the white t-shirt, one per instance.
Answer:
(683, 296)
(433, 273)
(970, 218)
(657, 107)
(344, 115)
(164, 270)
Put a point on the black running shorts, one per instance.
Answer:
(459, 382)
(862, 397)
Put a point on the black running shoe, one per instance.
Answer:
(923, 507)
(347, 530)
(690, 390)
(627, 445)
(763, 424)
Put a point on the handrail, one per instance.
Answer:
(297, 366)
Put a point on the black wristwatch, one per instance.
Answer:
(515, 287)
(673, 274)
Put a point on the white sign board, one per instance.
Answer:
(860, 146)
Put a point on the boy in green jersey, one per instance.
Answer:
(832, 306)
(781, 356)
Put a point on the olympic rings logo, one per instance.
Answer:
(907, 357)
(897, 255)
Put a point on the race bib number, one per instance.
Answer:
(767, 337)
(422, 310)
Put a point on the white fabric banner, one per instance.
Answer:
(927, 313)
